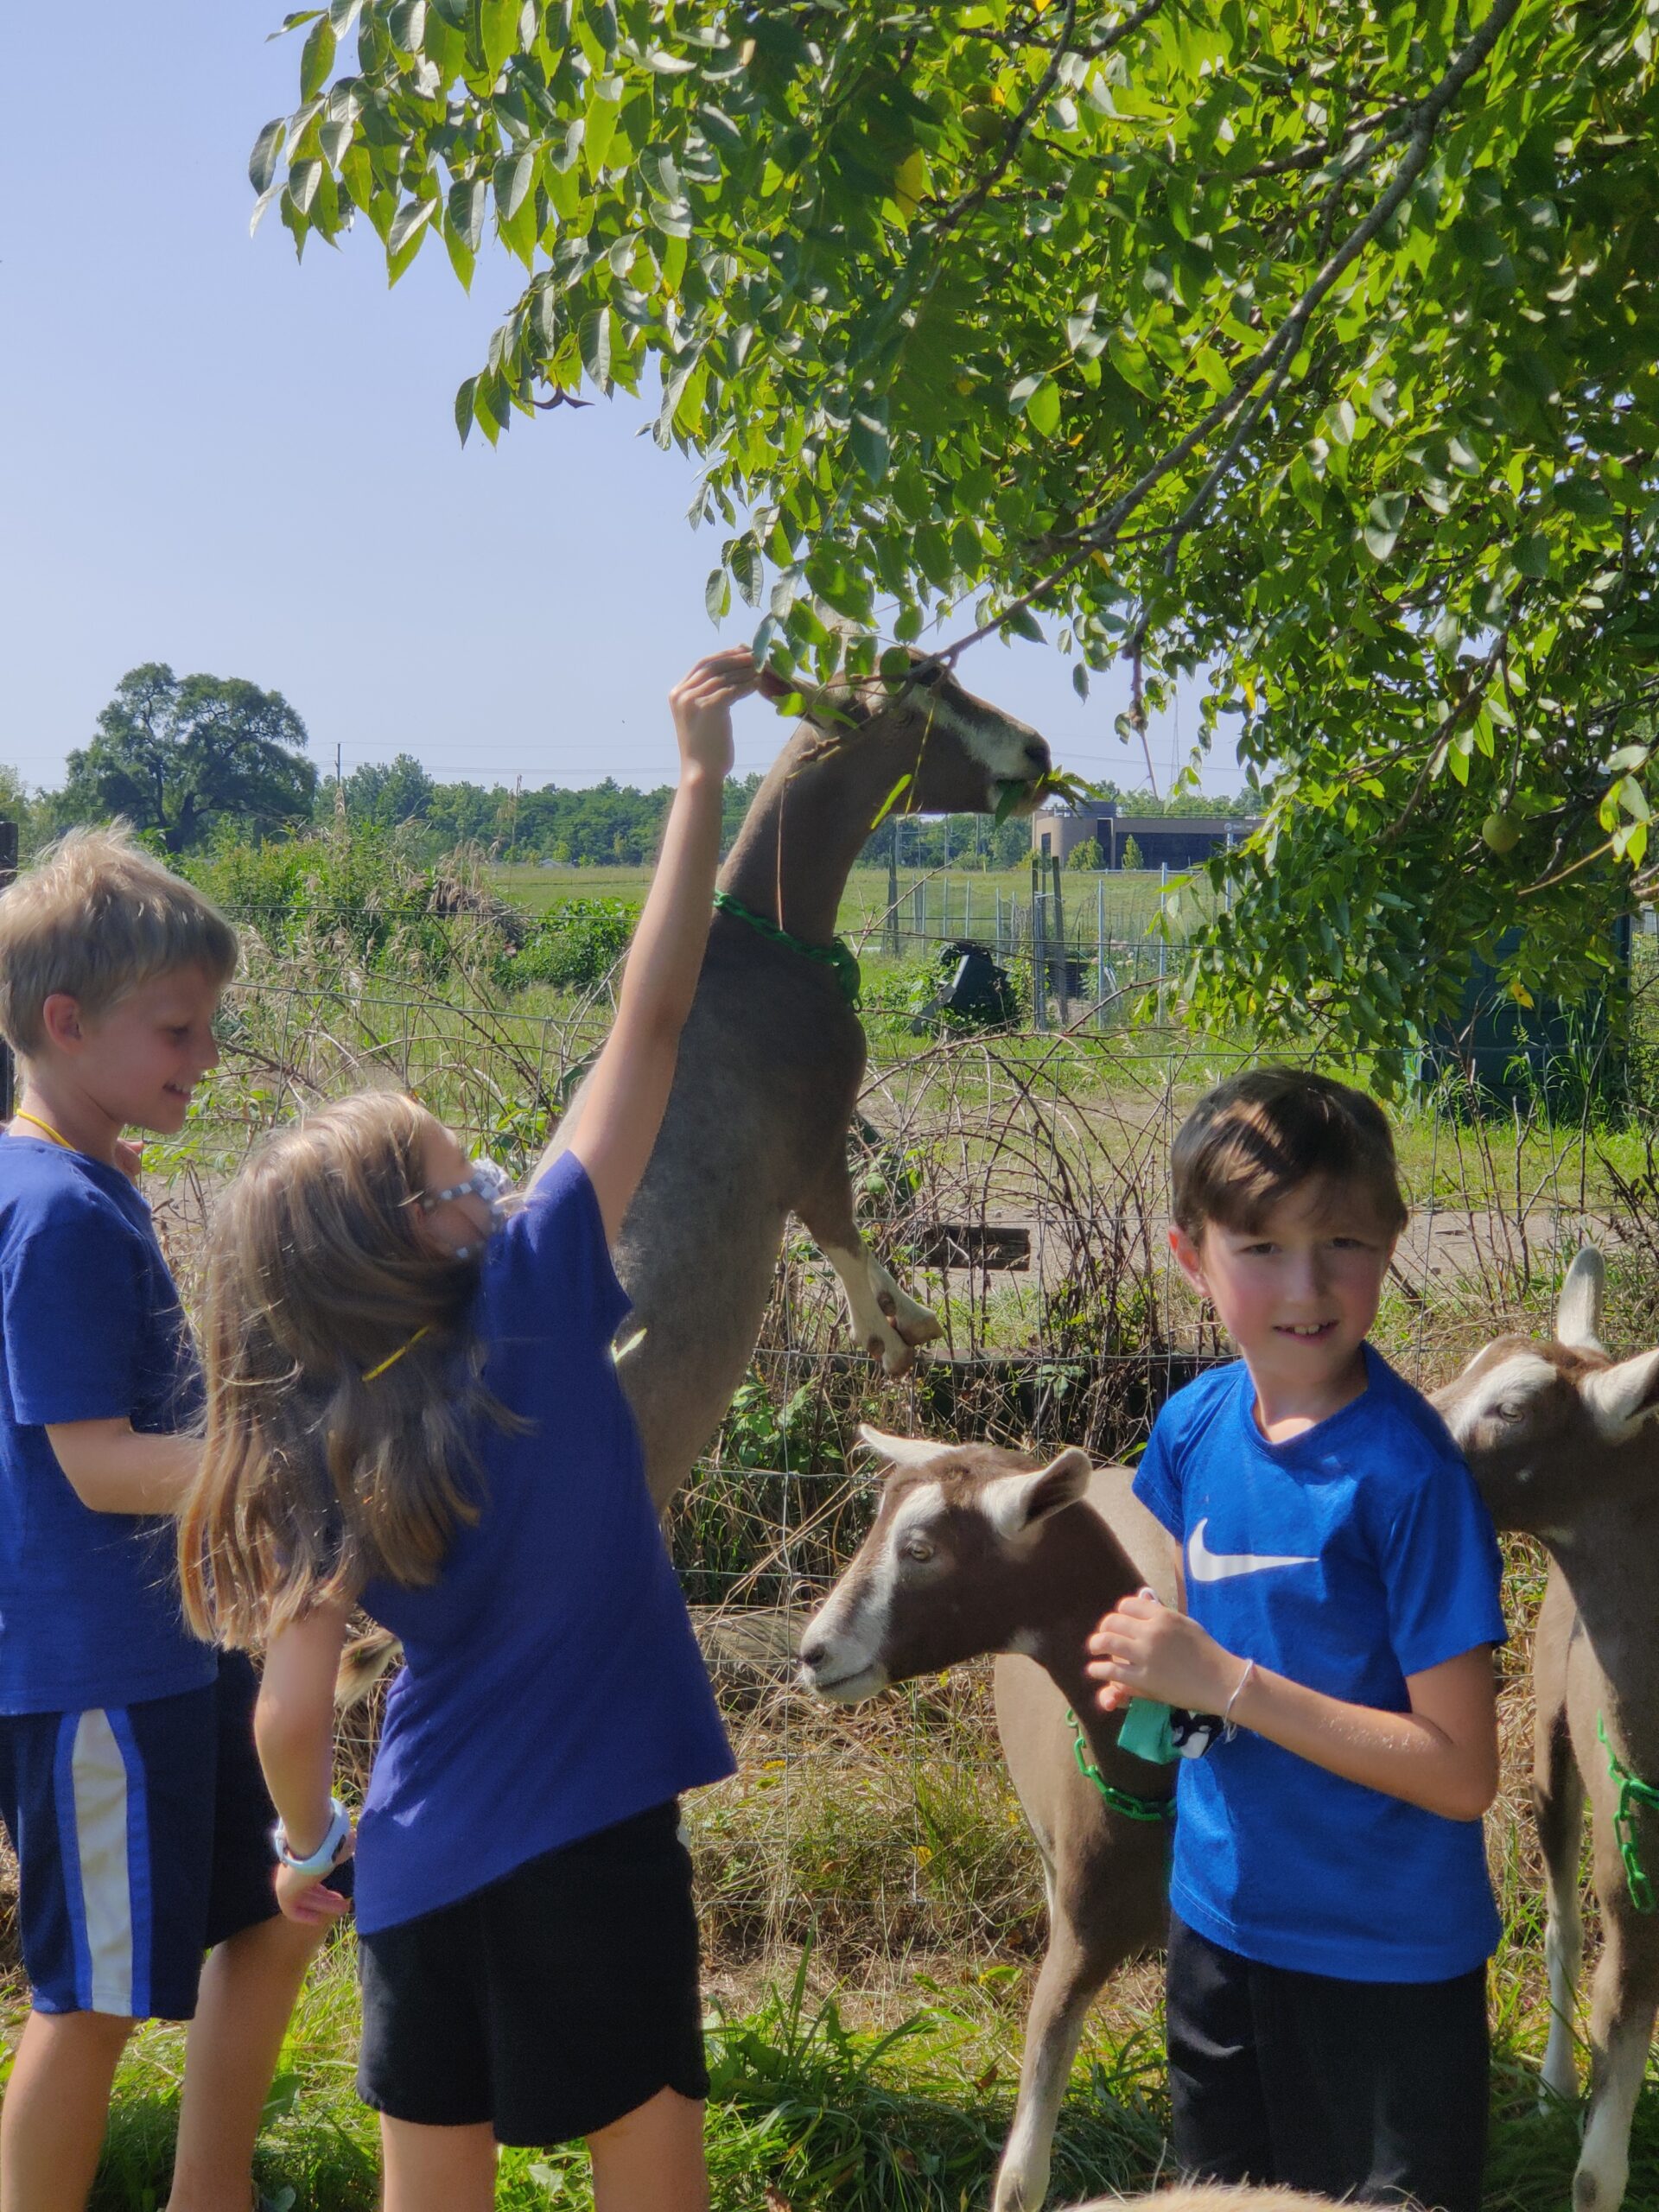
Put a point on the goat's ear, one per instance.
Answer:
(1017, 1503)
(1621, 1398)
(1577, 1312)
(903, 1450)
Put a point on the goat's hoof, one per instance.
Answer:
(919, 1327)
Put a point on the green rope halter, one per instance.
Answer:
(1120, 1800)
(837, 955)
(1633, 1792)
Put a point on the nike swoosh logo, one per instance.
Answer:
(1205, 1566)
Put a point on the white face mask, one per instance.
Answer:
(489, 1181)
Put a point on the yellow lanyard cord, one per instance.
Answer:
(371, 1374)
(56, 1135)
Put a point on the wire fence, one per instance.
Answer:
(1082, 944)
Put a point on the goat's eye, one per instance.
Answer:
(917, 1547)
(1509, 1411)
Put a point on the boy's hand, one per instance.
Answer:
(702, 702)
(1143, 1649)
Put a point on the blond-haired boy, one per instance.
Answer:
(128, 1782)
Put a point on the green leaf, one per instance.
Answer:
(1043, 407)
(1383, 518)
(868, 440)
(717, 594)
(464, 407)
(499, 24)
(304, 178)
(262, 164)
(513, 177)
(409, 228)
(467, 201)
(317, 60)
(892, 800)
(595, 341)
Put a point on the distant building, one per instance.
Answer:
(1176, 841)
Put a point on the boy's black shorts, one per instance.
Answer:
(550, 2003)
(1374, 2091)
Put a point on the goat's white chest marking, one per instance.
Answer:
(1205, 1566)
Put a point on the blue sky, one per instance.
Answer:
(215, 457)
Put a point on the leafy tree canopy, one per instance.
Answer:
(174, 754)
(1312, 346)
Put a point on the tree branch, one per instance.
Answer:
(1281, 348)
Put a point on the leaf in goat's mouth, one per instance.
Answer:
(1008, 795)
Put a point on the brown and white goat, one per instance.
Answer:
(976, 1549)
(1561, 1441)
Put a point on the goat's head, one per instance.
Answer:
(1546, 1428)
(958, 751)
(945, 1572)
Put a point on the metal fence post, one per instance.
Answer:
(1061, 992)
(1163, 887)
(1038, 934)
(1100, 951)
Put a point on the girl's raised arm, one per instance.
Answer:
(623, 1101)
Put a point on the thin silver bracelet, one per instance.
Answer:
(1230, 1726)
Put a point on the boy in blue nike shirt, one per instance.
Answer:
(1331, 1916)
(129, 1783)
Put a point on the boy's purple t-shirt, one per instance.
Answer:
(552, 1684)
(91, 1329)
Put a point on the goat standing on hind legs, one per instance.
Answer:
(1562, 1442)
(772, 1057)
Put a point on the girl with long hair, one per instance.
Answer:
(413, 1407)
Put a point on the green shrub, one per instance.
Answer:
(574, 945)
(365, 897)
(1087, 855)
(1131, 855)
(359, 896)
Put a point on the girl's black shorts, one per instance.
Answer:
(550, 2003)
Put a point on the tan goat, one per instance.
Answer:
(976, 1549)
(1560, 1440)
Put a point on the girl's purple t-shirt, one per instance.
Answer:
(552, 1685)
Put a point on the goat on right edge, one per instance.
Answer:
(1560, 1440)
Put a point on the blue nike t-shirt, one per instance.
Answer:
(1346, 1559)
(552, 1685)
(91, 1330)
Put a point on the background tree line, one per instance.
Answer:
(203, 761)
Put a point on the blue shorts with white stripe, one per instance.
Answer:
(143, 1838)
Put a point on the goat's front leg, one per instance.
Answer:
(1073, 1975)
(888, 1323)
(1621, 2029)
(1558, 1807)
